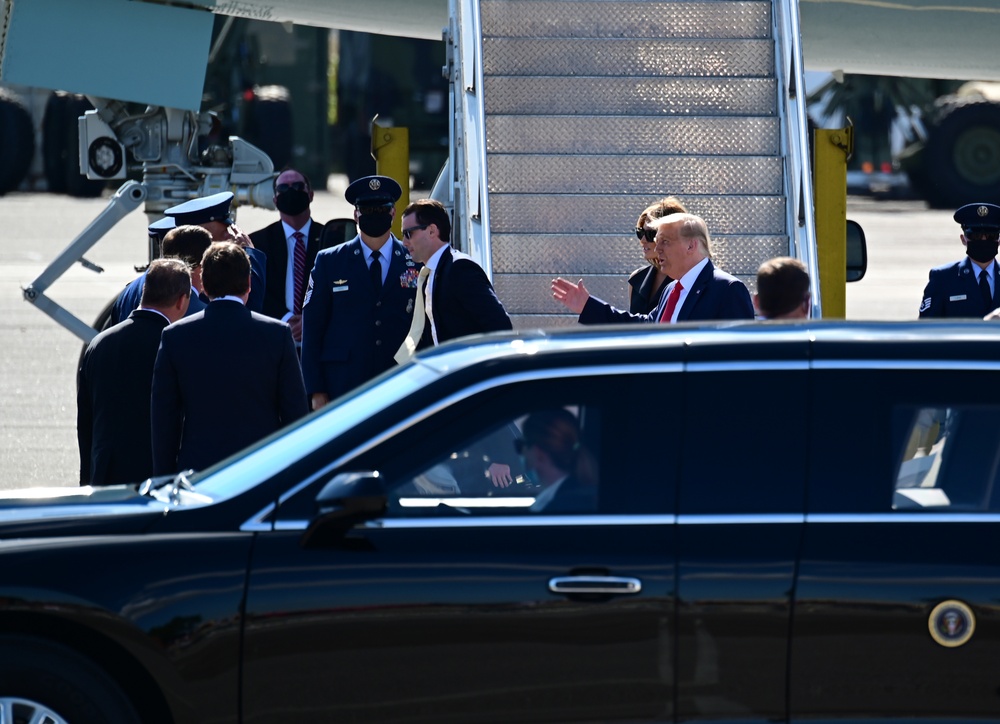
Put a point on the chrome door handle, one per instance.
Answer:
(595, 584)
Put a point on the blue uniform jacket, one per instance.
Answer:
(715, 295)
(953, 291)
(349, 334)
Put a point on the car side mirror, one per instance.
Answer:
(857, 252)
(348, 499)
(336, 232)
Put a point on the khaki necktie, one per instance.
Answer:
(409, 346)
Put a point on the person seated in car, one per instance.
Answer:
(556, 461)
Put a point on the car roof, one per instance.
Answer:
(806, 341)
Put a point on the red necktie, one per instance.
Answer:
(668, 311)
(298, 272)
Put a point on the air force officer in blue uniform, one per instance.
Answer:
(359, 302)
(967, 288)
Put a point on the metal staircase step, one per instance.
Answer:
(561, 174)
(633, 135)
(630, 19)
(596, 214)
(627, 57)
(624, 96)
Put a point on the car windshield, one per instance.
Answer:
(264, 460)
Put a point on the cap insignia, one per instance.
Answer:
(982, 211)
(375, 185)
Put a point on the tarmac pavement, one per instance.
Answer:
(38, 358)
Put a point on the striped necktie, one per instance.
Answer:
(298, 272)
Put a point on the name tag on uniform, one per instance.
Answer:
(344, 289)
(957, 298)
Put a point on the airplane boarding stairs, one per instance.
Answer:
(571, 116)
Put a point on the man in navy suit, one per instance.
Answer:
(115, 378)
(700, 292)
(967, 288)
(359, 302)
(458, 298)
(187, 243)
(291, 244)
(224, 378)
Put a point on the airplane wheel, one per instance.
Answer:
(18, 142)
(61, 146)
(962, 155)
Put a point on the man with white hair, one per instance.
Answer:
(700, 292)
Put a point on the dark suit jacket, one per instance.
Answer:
(272, 241)
(223, 379)
(643, 298)
(350, 334)
(113, 390)
(131, 295)
(714, 295)
(953, 291)
(464, 301)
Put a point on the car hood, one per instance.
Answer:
(78, 511)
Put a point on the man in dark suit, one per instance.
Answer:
(187, 243)
(967, 288)
(291, 244)
(458, 298)
(700, 292)
(115, 378)
(224, 378)
(359, 302)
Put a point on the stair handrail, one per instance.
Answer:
(800, 214)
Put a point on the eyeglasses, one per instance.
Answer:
(296, 185)
(648, 234)
(374, 210)
(407, 233)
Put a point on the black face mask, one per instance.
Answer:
(982, 250)
(374, 224)
(292, 202)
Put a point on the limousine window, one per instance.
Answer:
(950, 460)
(544, 461)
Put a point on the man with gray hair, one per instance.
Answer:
(115, 379)
(700, 292)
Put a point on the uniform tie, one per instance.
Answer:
(298, 272)
(376, 272)
(409, 346)
(668, 311)
(984, 289)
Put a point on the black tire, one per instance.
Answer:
(55, 151)
(17, 142)
(61, 146)
(269, 124)
(47, 676)
(961, 157)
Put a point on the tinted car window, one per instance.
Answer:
(868, 422)
(446, 454)
(744, 441)
(950, 459)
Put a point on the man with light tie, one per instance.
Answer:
(458, 298)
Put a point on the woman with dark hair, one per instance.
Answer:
(555, 460)
(646, 284)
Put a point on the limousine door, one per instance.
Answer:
(896, 612)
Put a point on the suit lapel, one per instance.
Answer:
(694, 294)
